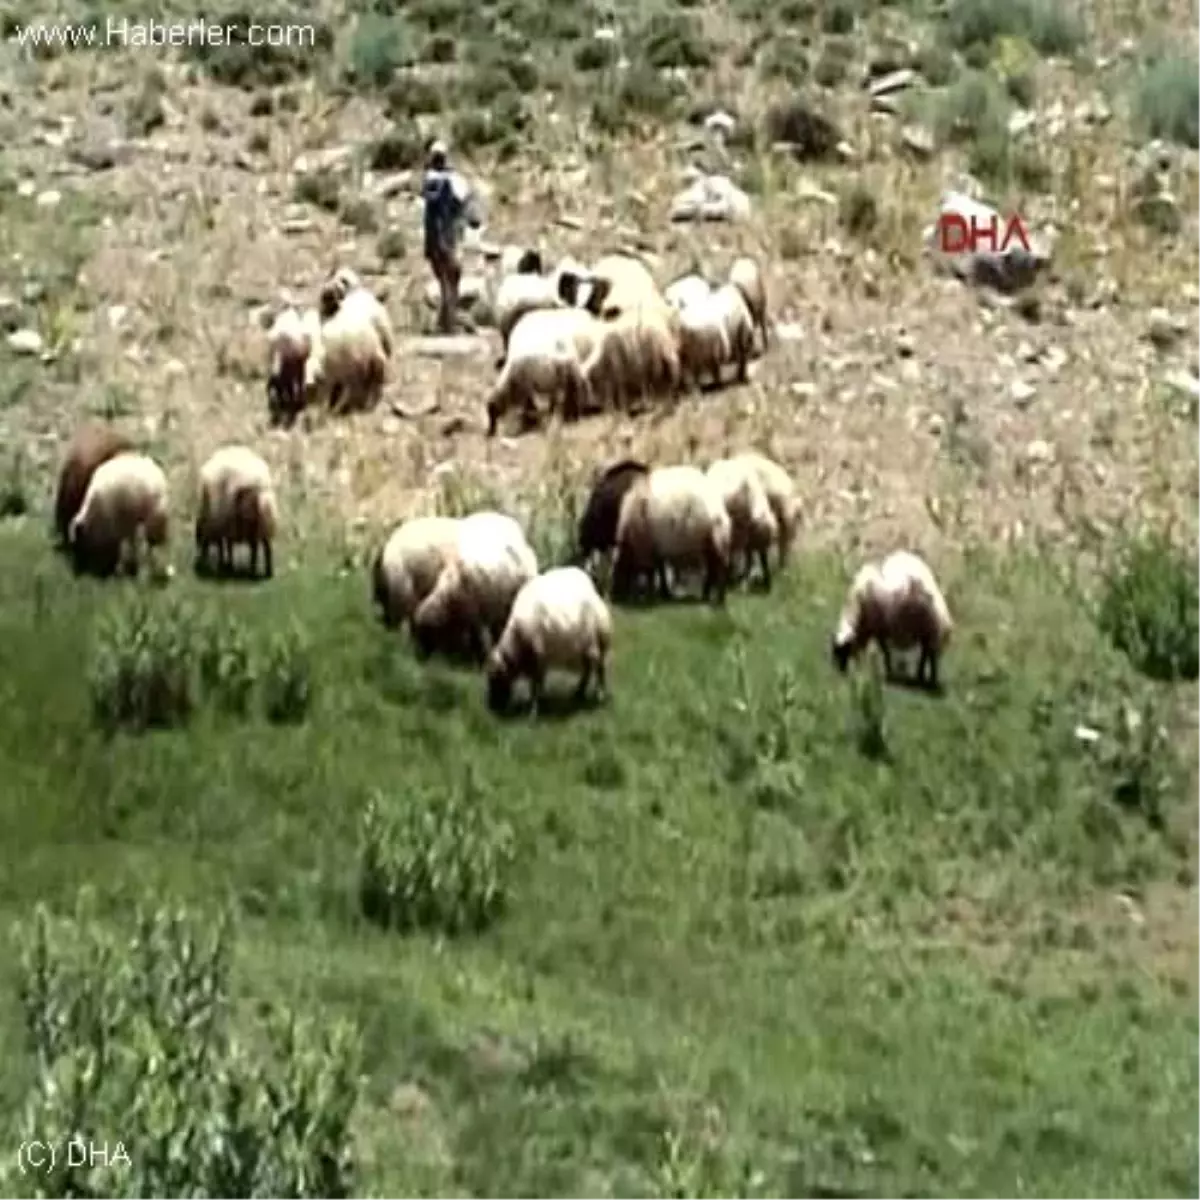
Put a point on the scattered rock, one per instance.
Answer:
(10, 313)
(720, 122)
(49, 199)
(295, 225)
(26, 188)
(116, 315)
(393, 183)
(890, 105)
(471, 290)
(895, 81)
(317, 162)
(26, 341)
(99, 150)
(1184, 384)
(917, 141)
(569, 223)
(905, 346)
(1022, 393)
(789, 332)
(1021, 122)
(714, 198)
(1159, 210)
(1053, 361)
(1039, 453)
(846, 152)
(464, 345)
(1164, 329)
(807, 190)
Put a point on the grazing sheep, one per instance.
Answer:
(127, 494)
(754, 528)
(558, 621)
(731, 310)
(519, 294)
(291, 340)
(237, 507)
(746, 276)
(704, 343)
(615, 284)
(93, 443)
(346, 293)
(685, 290)
(347, 367)
(637, 355)
(898, 604)
(673, 516)
(597, 530)
(471, 601)
(407, 566)
(545, 353)
(781, 494)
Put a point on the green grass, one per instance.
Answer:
(1167, 98)
(737, 952)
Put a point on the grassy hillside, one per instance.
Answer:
(751, 928)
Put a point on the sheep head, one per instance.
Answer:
(499, 681)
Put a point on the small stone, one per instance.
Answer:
(1164, 330)
(386, 186)
(332, 158)
(917, 141)
(26, 341)
(1038, 453)
(905, 345)
(295, 225)
(894, 81)
(720, 122)
(173, 367)
(48, 199)
(1022, 393)
(116, 315)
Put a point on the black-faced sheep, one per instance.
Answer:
(558, 621)
(673, 517)
(597, 529)
(93, 443)
(127, 495)
(407, 566)
(898, 604)
(754, 528)
(746, 276)
(237, 506)
(291, 340)
(473, 596)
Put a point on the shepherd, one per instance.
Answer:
(449, 203)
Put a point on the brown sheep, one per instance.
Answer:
(93, 443)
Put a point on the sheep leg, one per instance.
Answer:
(254, 556)
(268, 560)
(660, 572)
(585, 678)
(888, 666)
(764, 558)
(537, 684)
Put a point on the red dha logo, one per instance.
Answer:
(959, 235)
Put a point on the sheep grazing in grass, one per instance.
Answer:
(544, 358)
(781, 495)
(746, 275)
(597, 530)
(673, 517)
(754, 528)
(527, 289)
(470, 603)
(898, 604)
(407, 566)
(558, 621)
(637, 355)
(127, 495)
(291, 340)
(346, 293)
(93, 443)
(237, 507)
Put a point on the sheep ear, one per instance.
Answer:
(600, 290)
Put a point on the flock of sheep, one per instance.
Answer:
(472, 586)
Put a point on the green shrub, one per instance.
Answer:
(379, 47)
(411, 96)
(14, 487)
(839, 17)
(1167, 98)
(399, 149)
(786, 58)
(858, 211)
(974, 108)
(235, 62)
(287, 679)
(439, 863)
(226, 667)
(673, 39)
(1148, 607)
(320, 189)
(142, 672)
(1050, 26)
(131, 1042)
(594, 55)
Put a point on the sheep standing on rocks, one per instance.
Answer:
(746, 276)
(237, 507)
(558, 621)
(473, 596)
(898, 604)
(407, 566)
(94, 443)
(673, 516)
(293, 337)
(127, 495)
(544, 358)
(597, 530)
(781, 495)
(754, 528)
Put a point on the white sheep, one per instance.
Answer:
(681, 292)
(292, 338)
(407, 566)
(347, 367)
(237, 507)
(754, 528)
(127, 495)
(704, 343)
(558, 621)
(345, 292)
(898, 604)
(673, 516)
(470, 603)
(781, 494)
(730, 308)
(546, 350)
(746, 276)
(637, 355)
